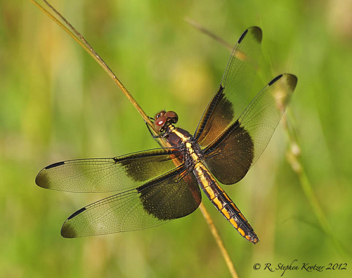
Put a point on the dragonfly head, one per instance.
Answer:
(163, 119)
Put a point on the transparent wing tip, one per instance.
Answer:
(68, 231)
(253, 31)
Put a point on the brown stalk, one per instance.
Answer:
(88, 48)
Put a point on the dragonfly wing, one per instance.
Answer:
(231, 155)
(227, 104)
(170, 196)
(108, 174)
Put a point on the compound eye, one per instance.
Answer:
(160, 122)
(158, 115)
(171, 116)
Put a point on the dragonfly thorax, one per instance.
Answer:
(177, 137)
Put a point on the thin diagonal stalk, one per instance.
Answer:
(294, 158)
(219, 241)
(88, 48)
(205, 31)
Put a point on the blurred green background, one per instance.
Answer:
(56, 103)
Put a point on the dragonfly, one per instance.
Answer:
(155, 186)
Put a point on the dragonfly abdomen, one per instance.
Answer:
(223, 202)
